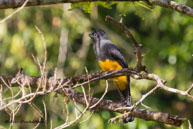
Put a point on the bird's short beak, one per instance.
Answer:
(90, 35)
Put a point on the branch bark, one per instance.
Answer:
(67, 90)
(136, 112)
(173, 5)
(4, 4)
(79, 80)
(139, 57)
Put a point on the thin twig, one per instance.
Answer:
(141, 100)
(36, 109)
(38, 123)
(67, 113)
(45, 114)
(87, 118)
(117, 118)
(189, 125)
(189, 89)
(1, 97)
(10, 88)
(147, 107)
(146, 95)
(106, 89)
(139, 113)
(89, 89)
(16, 11)
(112, 120)
(67, 124)
(51, 124)
(45, 57)
(31, 96)
(14, 97)
(87, 104)
(45, 49)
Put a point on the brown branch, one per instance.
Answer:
(104, 104)
(4, 4)
(43, 66)
(173, 5)
(136, 112)
(139, 66)
(189, 89)
(73, 81)
(83, 79)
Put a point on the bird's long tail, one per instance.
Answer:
(126, 98)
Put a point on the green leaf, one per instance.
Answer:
(86, 6)
(144, 5)
(107, 5)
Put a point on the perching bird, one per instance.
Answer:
(110, 58)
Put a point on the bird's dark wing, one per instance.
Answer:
(115, 54)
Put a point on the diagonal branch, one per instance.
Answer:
(139, 66)
(16, 11)
(173, 5)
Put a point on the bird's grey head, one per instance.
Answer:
(98, 35)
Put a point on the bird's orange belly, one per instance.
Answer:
(120, 82)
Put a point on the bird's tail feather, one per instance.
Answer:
(128, 101)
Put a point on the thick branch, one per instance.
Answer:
(74, 81)
(21, 79)
(4, 4)
(83, 79)
(112, 106)
(173, 5)
(136, 112)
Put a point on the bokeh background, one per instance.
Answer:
(166, 36)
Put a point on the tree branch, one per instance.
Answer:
(139, 57)
(4, 4)
(79, 80)
(63, 87)
(136, 112)
(173, 5)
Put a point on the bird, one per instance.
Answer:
(110, 57)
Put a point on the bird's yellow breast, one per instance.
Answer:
(120, 82)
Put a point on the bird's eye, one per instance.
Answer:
(95, 35)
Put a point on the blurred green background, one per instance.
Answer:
(166, 36)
